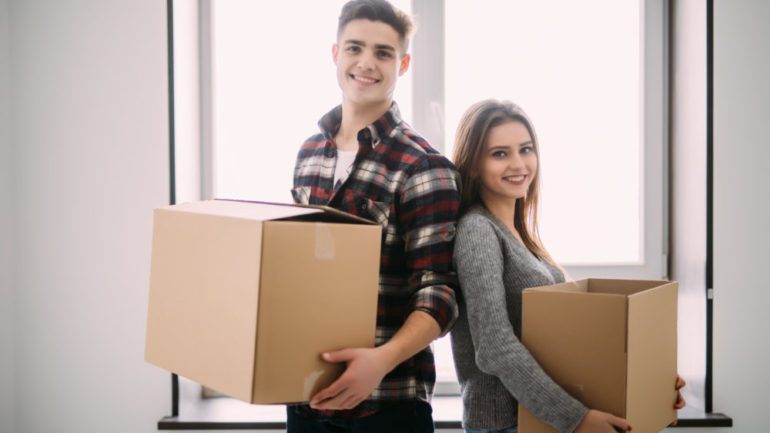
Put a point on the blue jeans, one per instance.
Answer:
(401, 417)
(511, 429)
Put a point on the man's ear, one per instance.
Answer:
(335, 50)
(405, 61)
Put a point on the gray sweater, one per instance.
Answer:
(493, 367)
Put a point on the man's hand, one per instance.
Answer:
(602, 422)
(365, 369)
(367, 366)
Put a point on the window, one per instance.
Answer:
(594, 87)
(269, 90)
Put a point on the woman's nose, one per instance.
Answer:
(515, 161)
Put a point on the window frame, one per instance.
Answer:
(428, 85)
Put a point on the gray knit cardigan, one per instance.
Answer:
(494, 369)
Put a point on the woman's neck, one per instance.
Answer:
(503, 210)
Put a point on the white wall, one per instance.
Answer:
(90, 136)
(89, 159)
(6, 244)
(742, 211)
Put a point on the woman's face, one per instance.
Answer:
(508, 164)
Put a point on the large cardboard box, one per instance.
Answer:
(244, 296)
(609, 343)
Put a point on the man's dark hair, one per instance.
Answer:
(378, 10)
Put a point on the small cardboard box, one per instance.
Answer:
(245, 296)
(609, 343)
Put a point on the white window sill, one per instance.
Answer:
(230, 414)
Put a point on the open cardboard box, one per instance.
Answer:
(609, 343)
(245, 296)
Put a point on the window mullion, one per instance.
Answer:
(428, 71)
(206, 82)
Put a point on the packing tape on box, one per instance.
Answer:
(324, 242)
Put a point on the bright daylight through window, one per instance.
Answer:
(586, 81)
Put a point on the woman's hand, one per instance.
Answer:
(597, 421)
(679, 399)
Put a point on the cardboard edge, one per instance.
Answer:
(575, 286)
(322, 209)
(668, 283)
(255, 368)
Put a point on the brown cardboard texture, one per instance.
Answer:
(245, 296)
(609, 343)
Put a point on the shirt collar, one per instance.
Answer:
(381, 128)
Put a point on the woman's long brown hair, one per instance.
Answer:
(470, 141)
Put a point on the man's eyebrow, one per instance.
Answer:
(376, 46)
(384, 47)
(354, 42)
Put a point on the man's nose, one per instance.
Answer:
(366, 61)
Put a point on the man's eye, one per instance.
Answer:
(384, 54)
(353, 49)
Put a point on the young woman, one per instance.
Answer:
(497, 254)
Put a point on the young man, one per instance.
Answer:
(368, 162)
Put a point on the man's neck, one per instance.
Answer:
(355, 118)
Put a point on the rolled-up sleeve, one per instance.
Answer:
(429, 208)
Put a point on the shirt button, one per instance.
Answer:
(329, 153)
(362, 205)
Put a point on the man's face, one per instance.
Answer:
(369, 60)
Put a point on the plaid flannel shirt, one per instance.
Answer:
(401, 182)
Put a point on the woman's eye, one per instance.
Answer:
(499, 154)
(527, 149)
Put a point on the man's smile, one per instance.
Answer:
(364, 80)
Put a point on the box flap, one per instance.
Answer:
(264, 211)
(580, 286)
(622, 287)
(241, 210)
(652, 340)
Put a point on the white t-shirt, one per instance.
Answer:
(345, 159)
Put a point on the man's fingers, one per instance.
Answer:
(327, 403)
(329, 392)
(343, 355)
(337, 402)
(351, 401)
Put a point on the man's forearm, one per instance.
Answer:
(419, 330)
